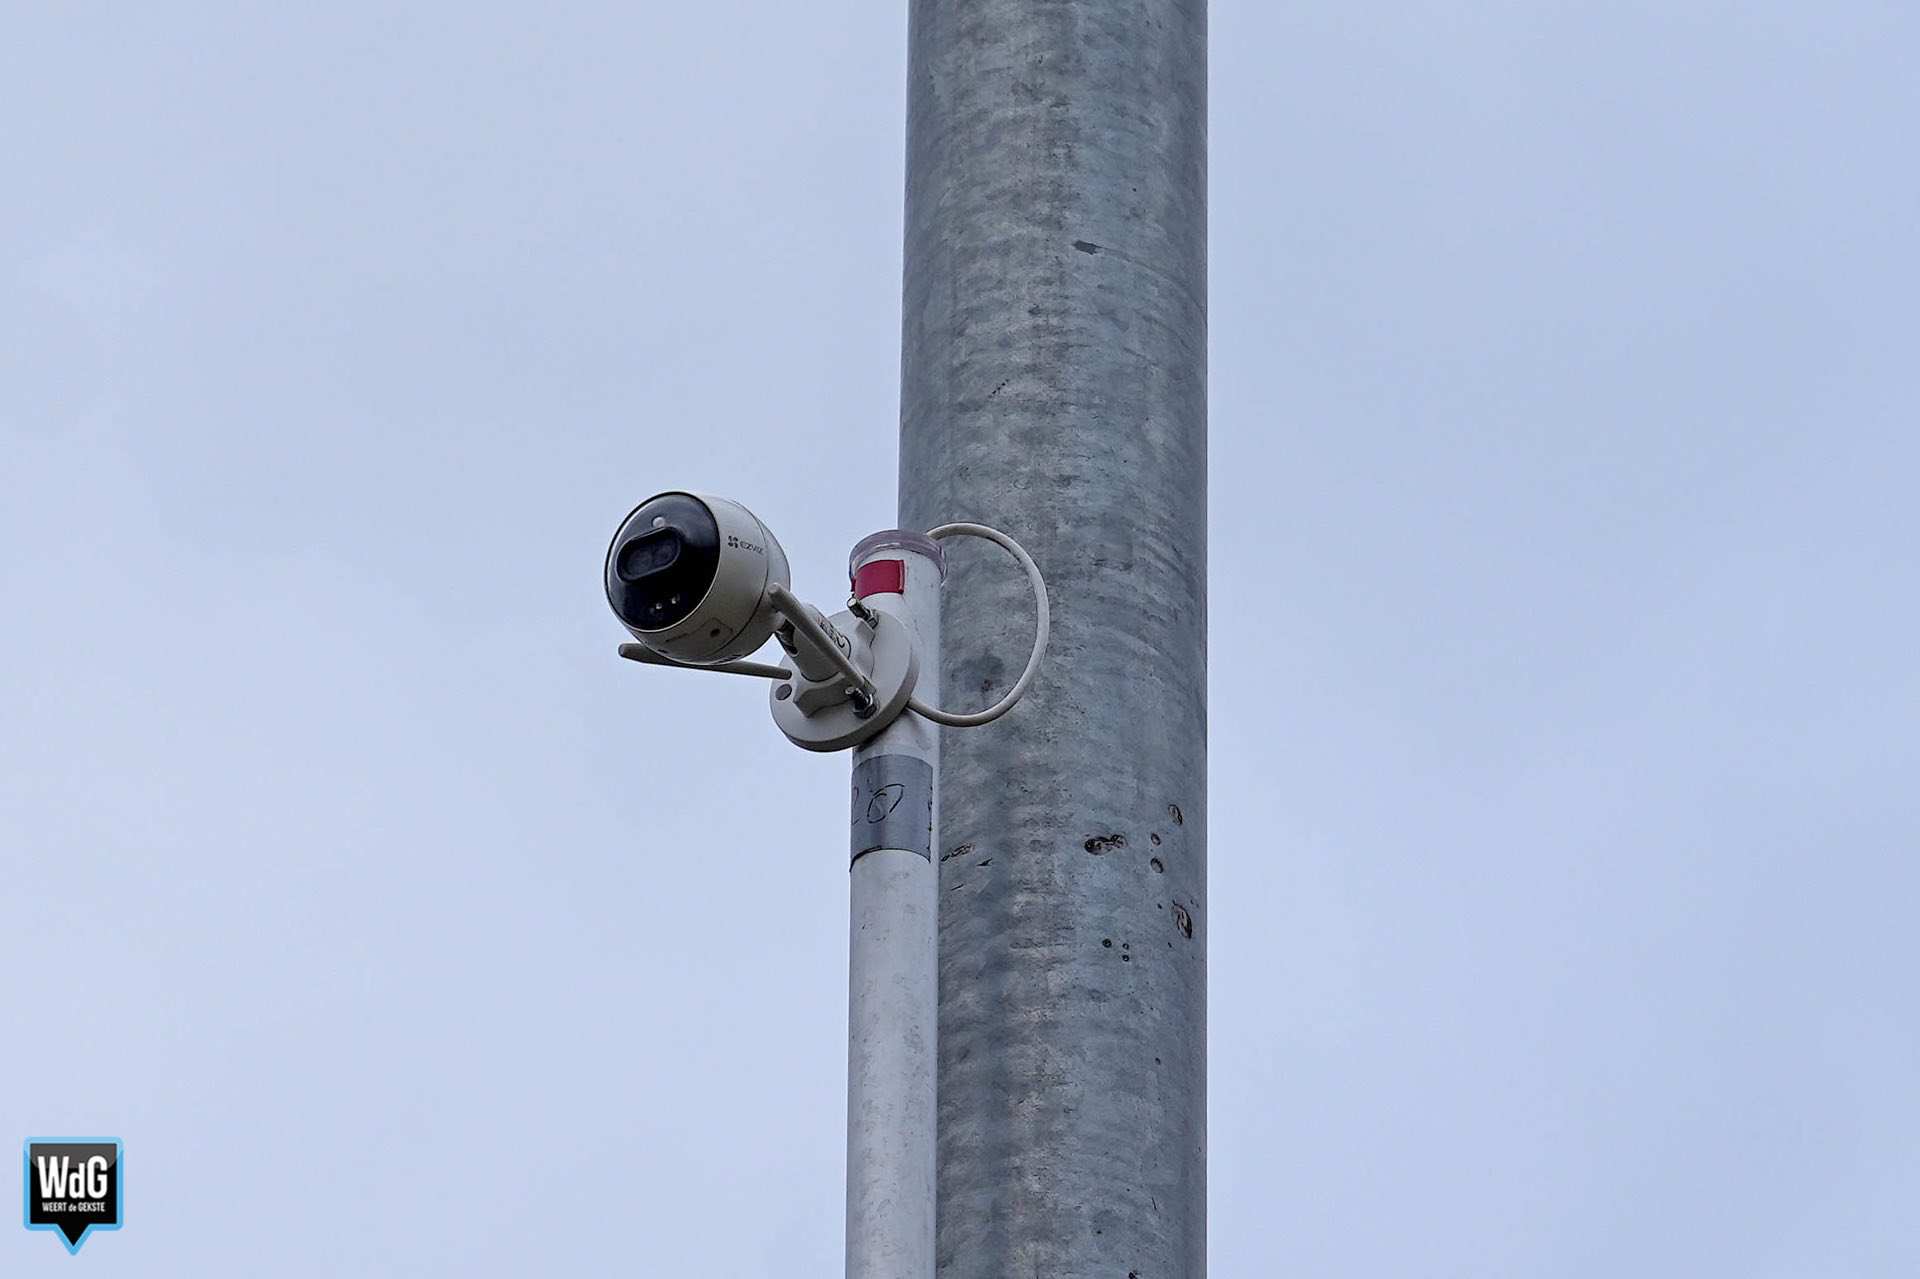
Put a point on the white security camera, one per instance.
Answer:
(700, 582)
(691, 577)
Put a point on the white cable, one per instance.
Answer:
(1042, 624)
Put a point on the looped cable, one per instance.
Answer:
(1042, 625)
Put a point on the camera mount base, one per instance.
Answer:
(894, 671)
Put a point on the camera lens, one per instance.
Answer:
(651, 552)
(662, 561)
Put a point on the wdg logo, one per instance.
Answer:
(72, 1186)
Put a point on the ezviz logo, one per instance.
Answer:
(72, 1186)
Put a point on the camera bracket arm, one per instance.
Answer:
(829, 663)
(845, 679)
(854, 674)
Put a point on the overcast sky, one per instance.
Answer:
(1565, 829)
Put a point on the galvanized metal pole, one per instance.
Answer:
(891, 1019)
(1054, 385)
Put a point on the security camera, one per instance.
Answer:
(700, 582)
(692, 578)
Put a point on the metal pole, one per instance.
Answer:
(1054, 385)
(891, 1017)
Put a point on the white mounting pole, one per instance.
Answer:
(893, 987)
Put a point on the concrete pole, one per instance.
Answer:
(891, 1019)
(1054, 385)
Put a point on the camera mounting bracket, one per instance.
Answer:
(837, 721)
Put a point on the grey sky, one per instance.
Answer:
(1563, 808)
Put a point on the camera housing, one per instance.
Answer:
(688, 575)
